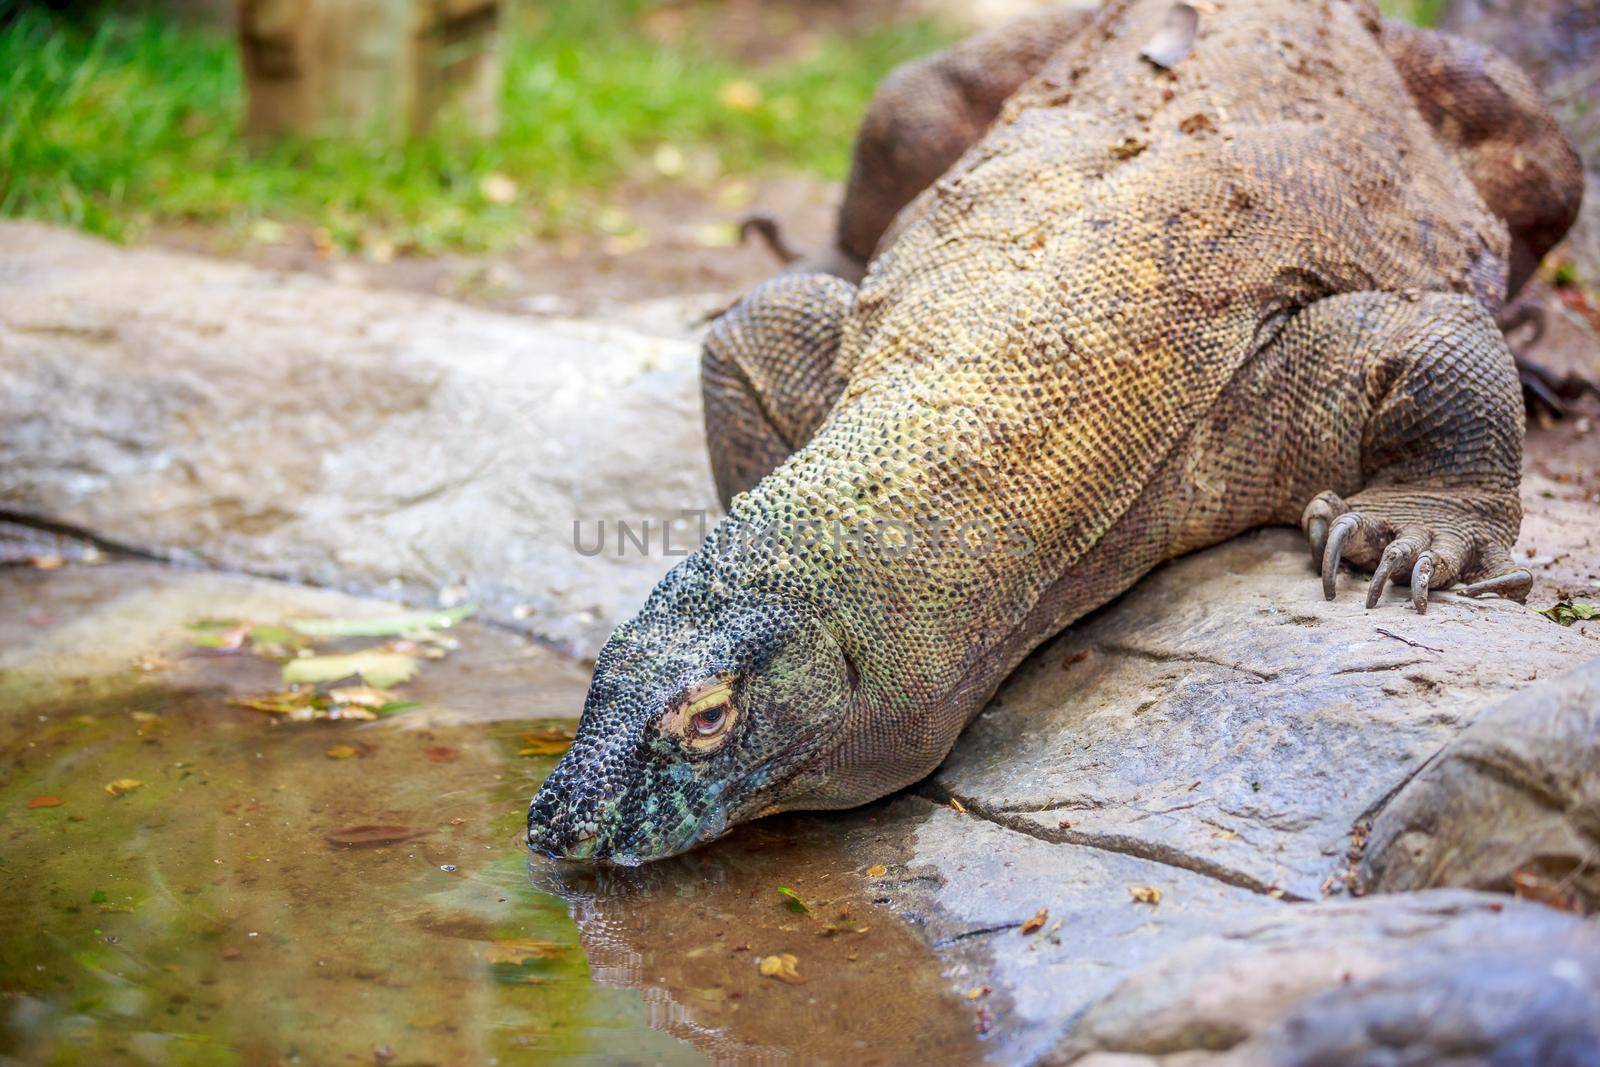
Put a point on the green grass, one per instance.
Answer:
(1418, 12)
(124, 123)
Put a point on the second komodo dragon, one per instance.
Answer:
(1139, 280)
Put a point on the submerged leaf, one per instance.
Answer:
(796, 905)
(44, 801)
(117, 787)
(384, 626)
(783, 967)
(369, 836)
(377, 668)
(516, 950)
(551, 740)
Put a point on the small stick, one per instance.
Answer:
(1407, 640)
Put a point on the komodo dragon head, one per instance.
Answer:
(712, 706)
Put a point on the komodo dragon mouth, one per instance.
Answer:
(1077, 227)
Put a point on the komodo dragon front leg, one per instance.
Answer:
(768, 375)
(1418, 452)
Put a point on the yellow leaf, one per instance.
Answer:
(1038, 920)
(364, 696)
(877, 870)
(342, 752)
(122, 785)
(1145, 894)
(783, 967)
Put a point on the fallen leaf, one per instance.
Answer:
(1036, 922)
(362, 696)
(377, 668)
(1527, 885)
(383, 626)
(516, 950)
(44, 801)
(442, 753)
(342, 752)
(369, 836)
(1145, 894)
(978, 991)
(117, 787)
(300, 705)
(48, 563)
(796, 905)
(957, 805)
(740, 95)
(783, 967)
(1567, 612)
(877, 870)
(1128, 147)
(232, 953)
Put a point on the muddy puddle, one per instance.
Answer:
(190, 881)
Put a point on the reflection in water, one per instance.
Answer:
(689, 933)
(208, 916)
(254, 900)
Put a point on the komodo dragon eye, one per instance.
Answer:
(704, 715)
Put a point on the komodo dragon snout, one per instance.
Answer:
(705, 710)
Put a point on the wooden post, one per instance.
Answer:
(359, 67)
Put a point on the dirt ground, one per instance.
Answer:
(675, 241)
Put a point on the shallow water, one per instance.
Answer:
(257, 901)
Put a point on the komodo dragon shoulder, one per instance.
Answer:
(1147, 279)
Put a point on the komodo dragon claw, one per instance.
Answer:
(1435, 545)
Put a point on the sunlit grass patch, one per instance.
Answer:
(119, 124)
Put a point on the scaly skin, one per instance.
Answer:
(1145, 311)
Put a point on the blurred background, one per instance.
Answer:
(538, 156)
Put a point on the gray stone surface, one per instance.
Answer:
(1514, 799)
(972, 883)
(1225, 718)
(382, 441)
(1425, 978)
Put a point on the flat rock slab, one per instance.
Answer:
(294, 427)
(1224, 718)
(1419, 978)
(69, 634)
(1512, 804)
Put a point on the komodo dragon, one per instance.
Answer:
(1140, 281)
